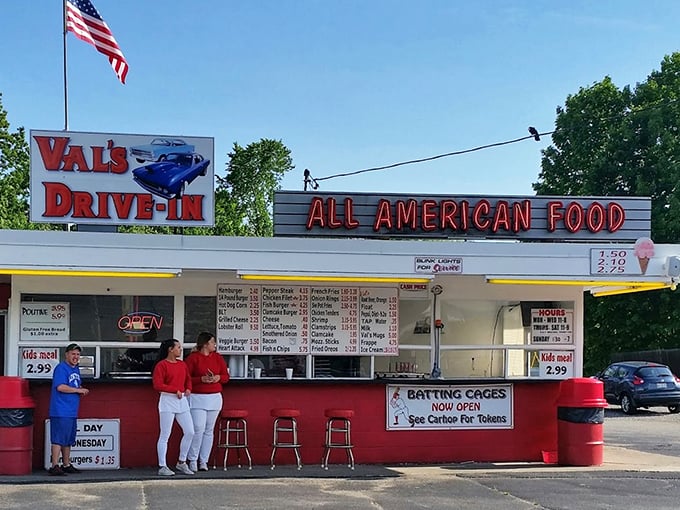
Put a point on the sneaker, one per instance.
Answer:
(166, 471)
(202, 466)
(56, 471)
(193, 466)
(183, 468)
(71, 469)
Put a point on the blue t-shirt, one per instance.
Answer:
(65, 405)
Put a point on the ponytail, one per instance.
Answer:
(166, 345)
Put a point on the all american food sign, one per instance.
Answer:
(390, 215)
(121, 179)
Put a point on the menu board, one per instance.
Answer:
(270, 319)
(238, 319)
(45, 321)
(282, 328)
(379, 321)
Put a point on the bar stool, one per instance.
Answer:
(285, 420)
(232, 432)
(338, 422)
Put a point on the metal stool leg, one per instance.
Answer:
(232, 433)
(342, 427)
(280, 426)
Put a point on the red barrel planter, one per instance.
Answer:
(580, 418)
(16, 426)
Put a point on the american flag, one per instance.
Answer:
(87, 25)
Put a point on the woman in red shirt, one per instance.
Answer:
(171, 379)
(208, 373)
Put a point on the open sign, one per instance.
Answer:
(138, 323)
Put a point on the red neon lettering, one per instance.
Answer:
(554, 214)
(481, 209)
(333, 221)
(383, 217)
(617, 217)
(573, 217)
(595, 217)
(350, 222)
(501, 218)
(315, 213)
(407, 214)
(522, 215)
(429, 221)
(448, 209)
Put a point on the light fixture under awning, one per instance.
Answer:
(101, 273)
(331, 277)
(629, 290)
(577, 283)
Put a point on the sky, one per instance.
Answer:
(346, 85)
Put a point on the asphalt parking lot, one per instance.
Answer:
(652, 430)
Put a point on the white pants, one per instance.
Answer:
(204, 412)
(170, 410)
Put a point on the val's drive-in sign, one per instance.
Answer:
(121, 179)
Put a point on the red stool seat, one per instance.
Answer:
(284, 412)
(339, 413)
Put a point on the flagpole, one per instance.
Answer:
(63, 6)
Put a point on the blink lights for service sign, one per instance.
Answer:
(121, 179)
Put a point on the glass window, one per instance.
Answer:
(115, 318)
(341, 366)
(134, 319)
(415, 317)
(200, 314)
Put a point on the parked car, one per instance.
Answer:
(635, 384)
(170, 177)
(160, 148)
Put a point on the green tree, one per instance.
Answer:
(14, 167)
(246, 195)
(623, 142)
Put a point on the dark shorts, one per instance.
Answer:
(63, 431)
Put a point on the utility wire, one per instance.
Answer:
(431, 158)
(313, 183)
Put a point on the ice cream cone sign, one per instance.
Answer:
(644, 250)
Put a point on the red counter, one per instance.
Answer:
(135, 404)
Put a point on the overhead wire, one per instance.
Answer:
(313, 183)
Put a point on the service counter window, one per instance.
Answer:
(483, 338)
(414, 358)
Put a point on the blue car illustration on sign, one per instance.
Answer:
(160, 148)
(170, 177)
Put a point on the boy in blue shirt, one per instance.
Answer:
(64, 403)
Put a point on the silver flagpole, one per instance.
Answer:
(63, 5)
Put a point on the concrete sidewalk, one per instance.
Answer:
(615, 459)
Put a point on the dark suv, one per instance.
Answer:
(634, 384)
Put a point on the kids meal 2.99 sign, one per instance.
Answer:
(121, 179)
